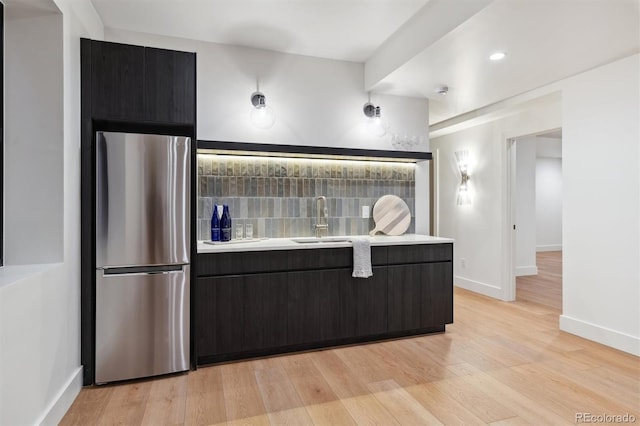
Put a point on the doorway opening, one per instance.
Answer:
(536, 217)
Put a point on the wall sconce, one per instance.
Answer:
(376, 124)
(262, 116)
(464, 192)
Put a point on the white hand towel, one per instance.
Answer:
(361, 258)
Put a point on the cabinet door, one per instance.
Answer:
(240, 313)
(405, 297)
(265, 315)
(170, 86)
(220, 315)
(315, 311)
(438, 294)
(366, 300)
(117, 81)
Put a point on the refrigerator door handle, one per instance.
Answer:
(142, 270)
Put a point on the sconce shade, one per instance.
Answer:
(464, 192)
(261, 116)
(376, 124)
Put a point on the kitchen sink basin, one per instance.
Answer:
(312, 240)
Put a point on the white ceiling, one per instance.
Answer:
(432, 42)
(545, 41)
(348, 30)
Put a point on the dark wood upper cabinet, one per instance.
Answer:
(170, 81)
(142, 84)
(117, 81)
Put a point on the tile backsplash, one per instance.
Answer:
(277, 195)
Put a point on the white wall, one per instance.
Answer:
(481, 229)
(601, 223)
(525, 206)
(599, 118)
(318, 102)
(33, 137)
(40, 372)
(548, 204)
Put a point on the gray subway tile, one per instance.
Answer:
(200, 165)
(270, 207)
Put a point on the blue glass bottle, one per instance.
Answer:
(215, 224)
(225, 224)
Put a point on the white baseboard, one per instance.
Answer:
(549, 247)
(606, 336)
(478, 287)
(63, 400)
(526, 270)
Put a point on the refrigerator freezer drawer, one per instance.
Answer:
(142, 324)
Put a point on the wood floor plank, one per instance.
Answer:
(127, 404)
(402, 406)
(577, 390)
(463, 369)
(330, 413)
(90, 405)
(281, 400)
(205, 397)
(526, 409)
(545, 288)
(425, 366)
(363, 407)
(370, 364)
(167, 401)
(261, 420)
(323, 405)
(307, 380)
(367, 410)
(241, 393)
(512, 421)
(501, 363)
(342, 381)
(617, 389)
(447, 410)
(480, 403)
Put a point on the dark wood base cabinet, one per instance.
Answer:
(260, 303)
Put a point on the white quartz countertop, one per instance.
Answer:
(289, 244)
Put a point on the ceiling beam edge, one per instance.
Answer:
(433, 21)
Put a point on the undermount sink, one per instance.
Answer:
(320, 240)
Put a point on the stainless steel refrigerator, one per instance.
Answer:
(142, 255)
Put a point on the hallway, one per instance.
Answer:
(546, 287)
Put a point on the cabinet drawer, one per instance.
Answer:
(419, 253)
(241, 263)
(329, 258)
(379, 256)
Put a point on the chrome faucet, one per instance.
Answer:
(322, 217)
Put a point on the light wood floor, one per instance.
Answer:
(499, 363)
(546, 287)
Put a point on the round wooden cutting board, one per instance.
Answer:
(391, 215)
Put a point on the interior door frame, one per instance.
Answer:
(509, 189)
(509, 236)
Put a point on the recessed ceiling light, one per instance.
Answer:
(497, 56)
